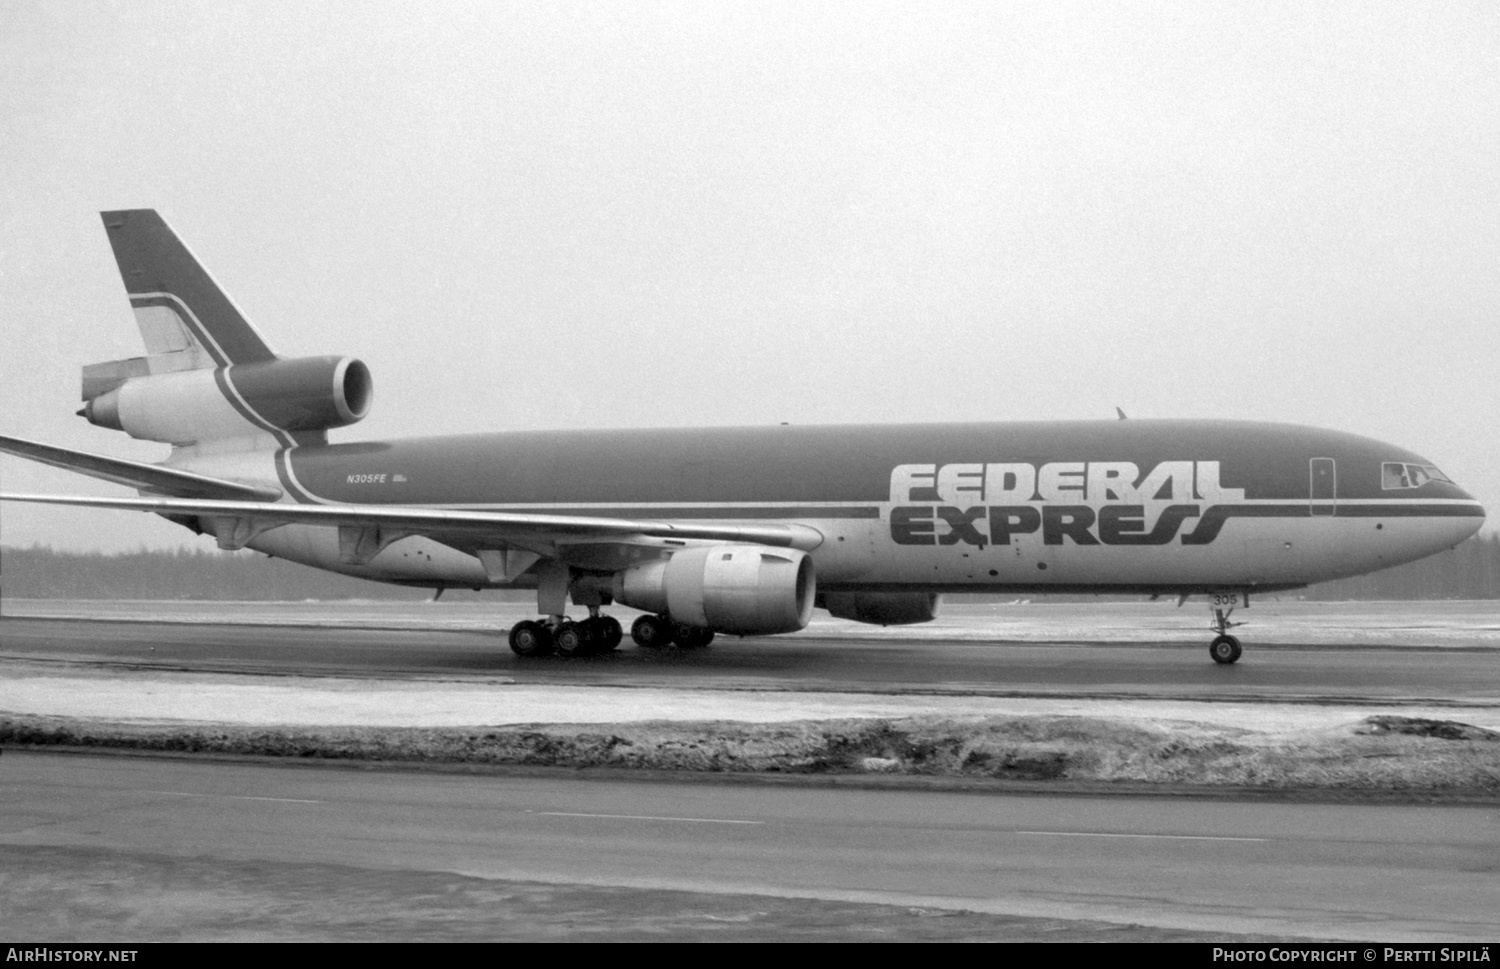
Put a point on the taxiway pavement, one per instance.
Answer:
(1428, 652)
(1326, 871)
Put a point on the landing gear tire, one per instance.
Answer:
(651, 632)
(1224, 649)
(693, 637)
(530, 638)
(572, 639)
(607, 633)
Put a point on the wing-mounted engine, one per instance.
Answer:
(882, 608)
(742, 589)
(184, 407)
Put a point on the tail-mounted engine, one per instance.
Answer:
(747, 590)
(184, 407)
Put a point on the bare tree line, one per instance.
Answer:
(1469, 571)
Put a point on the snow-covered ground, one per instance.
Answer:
(161, 697)
(195, 698)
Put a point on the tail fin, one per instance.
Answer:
(207, 374)
(186, 320)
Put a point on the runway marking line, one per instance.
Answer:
(638, 817)
(1164, 837)
(237, 797)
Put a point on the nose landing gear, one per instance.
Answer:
(1225, 649)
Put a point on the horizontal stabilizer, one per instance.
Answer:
(148, 477)
(498, 525)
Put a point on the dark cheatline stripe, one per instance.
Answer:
(1411, 510)
(638, 512)
(1213, 520)
(1043, 588)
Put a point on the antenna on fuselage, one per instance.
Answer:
(1121, 413)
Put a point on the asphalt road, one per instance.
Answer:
(1268, 670)
(1365, 873)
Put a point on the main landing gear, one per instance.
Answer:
(602, 634)
(596, 634)
(655, 632)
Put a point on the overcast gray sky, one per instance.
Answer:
(549, 215)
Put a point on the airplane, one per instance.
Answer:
(741, 530)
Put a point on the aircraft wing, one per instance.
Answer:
(501, 527)
(147, 477)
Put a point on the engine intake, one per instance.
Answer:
(742, 589)
(882, 608)
(308, 393)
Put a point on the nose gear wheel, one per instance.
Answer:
(1224, 649)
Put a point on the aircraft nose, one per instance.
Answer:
(1475, 511)
(1451, 513)
(1459, 491)
(1471, 514)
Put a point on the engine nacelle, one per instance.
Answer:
(188, 406)
(743, 589)
(882, 608)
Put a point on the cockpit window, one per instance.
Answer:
(1395, 476)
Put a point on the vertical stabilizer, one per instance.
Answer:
(186, 320)
(208, 377)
